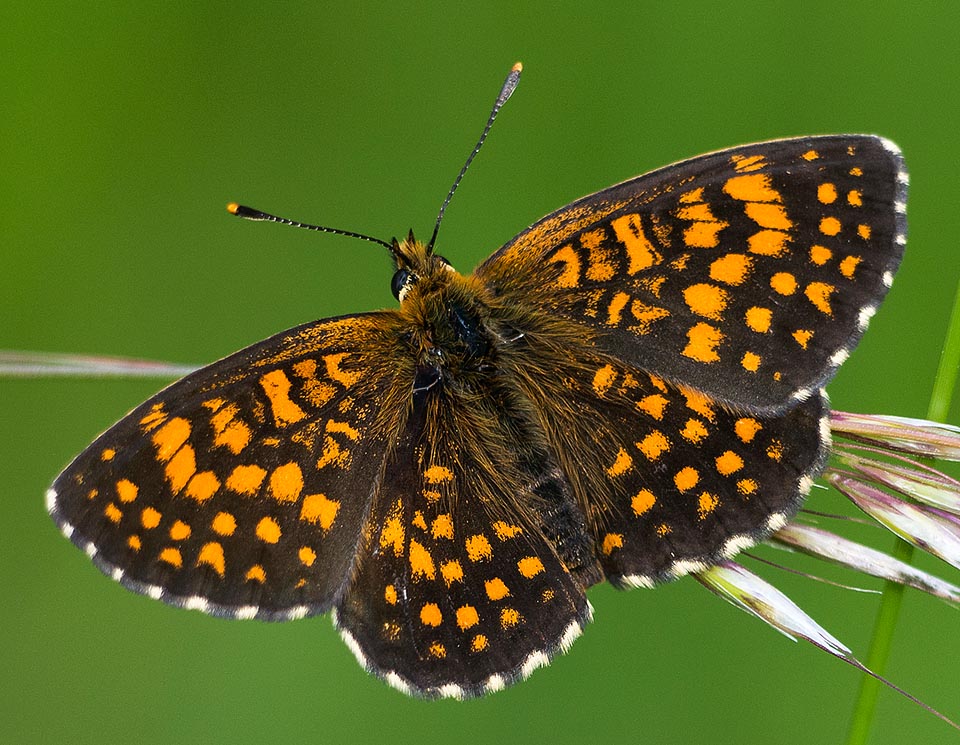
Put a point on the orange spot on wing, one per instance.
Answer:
(694, 431)
(319, 510)
(496, 589)
(154, 418)
(729, 462)
(126, 491)
(707, 504)
(775, 450)
(277, 386)
(747, 163)
(706, 300)
(755, 187)
(699, 403)
(702, 342)
(479, 643)
(653, 405)
(421, 562)
(603, 379)
(224, 523)
(112, 513)
(108, 454)
(601, 265)
(820, 255)
(467, 617)
(621, 465)
(393, 532)
(732, 269)
(504, 530)
(567, 256)
(180, 468)
(451, 572)
(829, 226)
(611, 541)
(390, 594)
(149, 518)
(746, 428)
(654, 445)
(438, 475)
(229, 432)
(703, 234)
(615, 308)
(286, 482)
(342, 428)
(419, 521)
(430, 615)
(641, 253)
(510, 617)
(827, 193)
(307, 556)
(758, 319)
(768, 243)
(769, 216)
(819, 293)
(849, 265)
(746, 487)
(530, 566)
(646, 315)
(268, 530)
(256, 574)
(246, 480)
(642, 502)
(172, 556)
(335, 371)
(442, 527)
(212, 555)
(134, 542)
(686, 478)
(803, 337)
(179, 531)
(750, 361)
(202, 486)
(783, 283)
(170, 437)
(478, 547)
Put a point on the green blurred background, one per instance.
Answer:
(126, 128)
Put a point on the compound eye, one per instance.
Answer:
(398, 285)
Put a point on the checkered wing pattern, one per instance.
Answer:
(748, 274)
(241, 490)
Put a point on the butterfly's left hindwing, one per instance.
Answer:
(748, 274)
(460, 586)
(242, 489)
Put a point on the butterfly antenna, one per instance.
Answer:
(505, 92)
(247, 213)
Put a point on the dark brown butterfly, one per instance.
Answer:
(630, 390)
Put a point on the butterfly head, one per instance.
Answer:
(418, 269)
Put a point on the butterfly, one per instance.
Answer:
(630, 390)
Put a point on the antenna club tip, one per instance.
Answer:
(233, 208)
(517, 67)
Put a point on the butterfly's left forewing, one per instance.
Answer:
(748, 274)
(241, 490)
